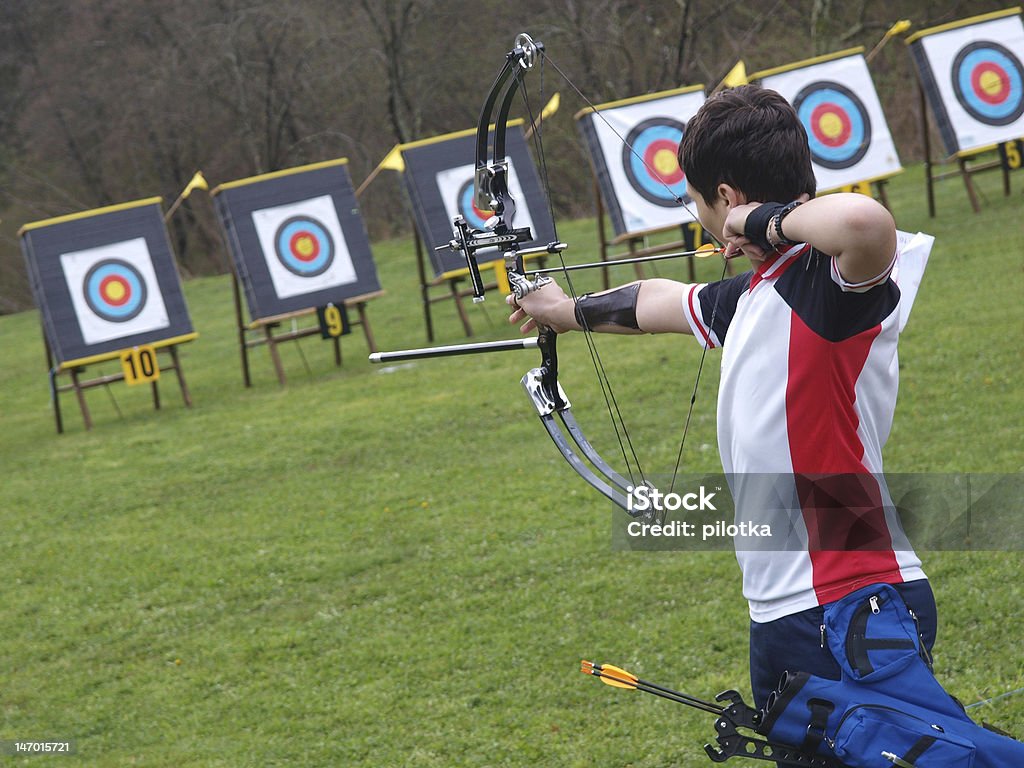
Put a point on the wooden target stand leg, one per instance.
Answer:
(78, 385)
(268, 326)
(963, 169)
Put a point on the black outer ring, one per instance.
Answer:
(955, 69)
(627, 157)
(99, 310)
(865, 144)
(330, 244)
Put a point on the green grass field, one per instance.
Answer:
(373, 568)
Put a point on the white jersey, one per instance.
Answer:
(806, 401)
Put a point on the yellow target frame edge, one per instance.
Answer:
(963, 23)
(86, 214)
(278, 174)
(639, 99)
(454, 135)
(806, 63)
(174, 340)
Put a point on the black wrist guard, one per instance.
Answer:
(756, 227)
(776, 225)
(617, 307)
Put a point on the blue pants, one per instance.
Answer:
(793, 643)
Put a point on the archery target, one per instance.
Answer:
(114, 291)
(303, 246)
(651, 162)
(988, 81)
(837, 124)
(838, 106)
(456, 187)
(974, 81)
(640, 186)
(475, 217)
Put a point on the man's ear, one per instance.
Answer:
(730, 195)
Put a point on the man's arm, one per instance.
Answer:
(656, 306)
(854, 229)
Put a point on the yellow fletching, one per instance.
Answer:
(617, 677)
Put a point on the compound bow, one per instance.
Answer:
(541, 383)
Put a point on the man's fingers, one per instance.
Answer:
(528, 326)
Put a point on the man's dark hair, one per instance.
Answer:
(750, 138)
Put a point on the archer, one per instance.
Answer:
(809, 367)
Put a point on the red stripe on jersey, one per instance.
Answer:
(841, 503)
(695, 313)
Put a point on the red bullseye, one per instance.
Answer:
(304, 246)
(990, 82)
(115, 290)
(484, 215)
(660, 156)
(831, 124)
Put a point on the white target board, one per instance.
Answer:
(972, 72)
(303, 246)
(112, 289)
(105, 280)
(633, 146)
(297, 238)
(838, 106)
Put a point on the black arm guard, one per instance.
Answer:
(616, 307)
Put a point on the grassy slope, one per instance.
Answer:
(372, 568)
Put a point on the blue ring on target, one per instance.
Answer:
(300, 232)
(652, 136)
(115, 290)
(468, 211)
(970, 63)
(851, 143)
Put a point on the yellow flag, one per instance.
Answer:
(551, 107)
(898, 28)
(393, 160)
(737, 76)
(198, 182)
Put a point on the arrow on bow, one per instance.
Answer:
(541, 383)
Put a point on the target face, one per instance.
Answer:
(988, 80)
(839, 109)
(304, 246)
(652, 165)
(837, 124)
(114, 291)
(475, 217)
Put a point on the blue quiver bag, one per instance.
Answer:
(888, 709)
